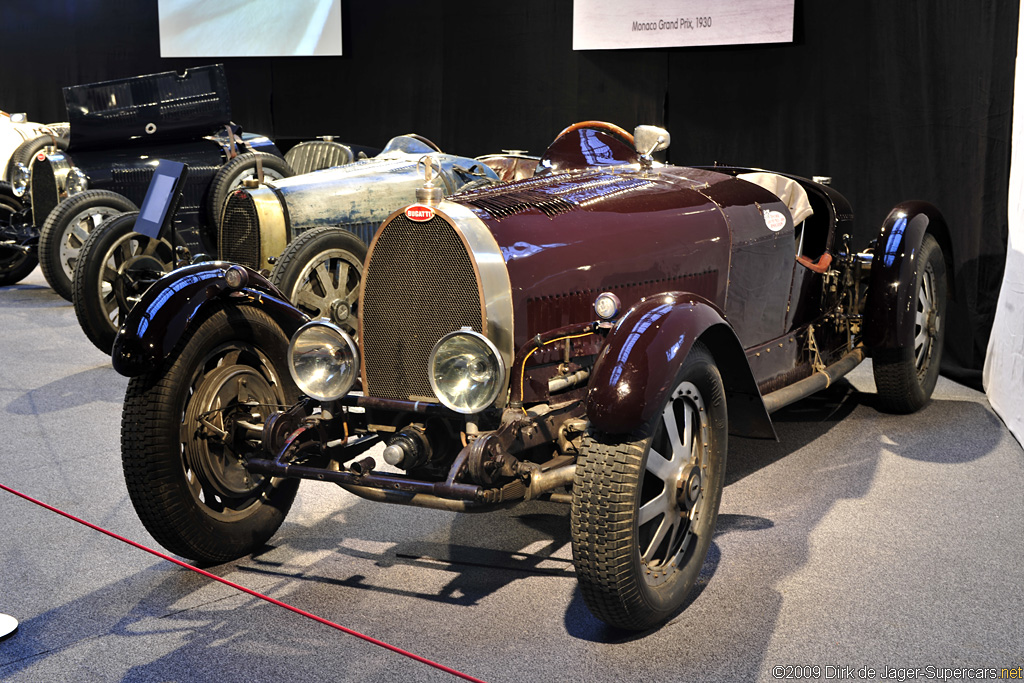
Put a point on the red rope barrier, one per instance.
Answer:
(357, 634)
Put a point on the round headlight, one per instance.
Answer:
(466, 371)
(19, 179)
(76, 181)
(607, 305)
(323, 360)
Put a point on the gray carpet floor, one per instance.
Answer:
(858, 540)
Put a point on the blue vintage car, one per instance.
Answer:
(337, 209)
(118, 129)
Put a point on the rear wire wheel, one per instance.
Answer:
(187, 428)
(645, 505)
(905, 378)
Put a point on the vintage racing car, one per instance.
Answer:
(590, 335)
(118, 129)
(20, 141)
(331, 213)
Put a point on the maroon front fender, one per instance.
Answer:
(637, 366)
(175, 302)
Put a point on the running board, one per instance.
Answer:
(815, 383)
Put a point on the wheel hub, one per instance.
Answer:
(340, 311)
(690, 488)
(220, 398)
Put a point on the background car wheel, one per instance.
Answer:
(24, 152)
(182, 444)
(320, 272)
(116, 265)
(232, 174)
(905, 378)
(66, 229)
(644, 506)
(15, 264)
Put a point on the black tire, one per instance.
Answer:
(15, 264)
(905, 378)
(625, 491)
(188, 485)
(66, 229)
(24, 152)
(231, 175)
(320, 272)
(116, 265)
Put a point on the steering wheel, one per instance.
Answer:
(425, 141)
(602, 126)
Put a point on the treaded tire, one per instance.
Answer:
(320, 272)
(231, 175)
(905, 378)
(621, 480)
(24, 152)
(66, 229)
(15, 265)
(108, 278)
(191, 491)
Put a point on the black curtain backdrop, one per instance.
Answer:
(895, 99)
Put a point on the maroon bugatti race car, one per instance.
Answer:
(588, 335)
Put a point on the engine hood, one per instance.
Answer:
(568, 237)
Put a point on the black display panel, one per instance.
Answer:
(161, 200)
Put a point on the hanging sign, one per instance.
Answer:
(622, 24)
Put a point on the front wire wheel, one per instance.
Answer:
(15, 263)
(320, 272)
(115, 267)
(187, 428)
(644, 506)
(65, 230)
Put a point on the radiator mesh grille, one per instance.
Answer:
(419, 285)
(240, 231)
(43, 191)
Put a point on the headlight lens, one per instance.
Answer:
(466, 371)
(76, 181)
(19, 179)
(323, 360)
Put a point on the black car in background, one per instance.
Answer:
(118, 131)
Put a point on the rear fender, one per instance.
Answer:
(637, 366)
(181, 300)
(890, 308)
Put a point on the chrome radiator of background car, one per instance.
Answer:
(239, 239)
(45, 194)
(419, 284)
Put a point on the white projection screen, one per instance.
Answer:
(1003, 375)
(625, 24)
(249, 28)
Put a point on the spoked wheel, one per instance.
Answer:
(320, 272)
(644, 507)
(188, 427)
(231, 175)
(15, 263)
(115, 266)
(67, 227)
(905, 378)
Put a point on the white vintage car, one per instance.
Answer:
(16, 129)
(20, 140)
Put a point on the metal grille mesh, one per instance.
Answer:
(43, 191)
(419, 285)
(240, 231)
